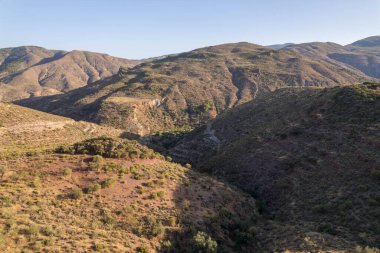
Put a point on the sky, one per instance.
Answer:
(147, 28)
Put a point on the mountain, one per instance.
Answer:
(373, 41)
(363, 55)
(185, 90)
(279, 46)
(34, 71)
(310, 155)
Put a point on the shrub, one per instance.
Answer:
(96, 163)
(367, 249)
(375, 174)
(93, 187)
(32, 230)
(158, 229)
(109, 147)
(172, 221)
(67, 172)
(142, 249)
(3, 169)
(76, 194)
(204, 242)
(327, 228)
(188, 165)
(47, 231)
(108, 219)
(156, 195)
(98, 247)
(108, 182)
(321, 209)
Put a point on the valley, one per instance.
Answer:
(229, 148)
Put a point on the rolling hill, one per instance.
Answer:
(310, 155)
(185, 90)
(362, 55)
(34, 71)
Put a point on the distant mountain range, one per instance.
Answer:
(34, 71)
(185, 90)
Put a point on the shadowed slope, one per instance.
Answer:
(310, 155)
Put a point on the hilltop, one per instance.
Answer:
(308, 154)
(186, 90)
(35, 71)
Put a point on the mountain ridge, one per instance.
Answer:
(189, 88)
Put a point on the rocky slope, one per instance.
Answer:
(310, 155)
(35, 71)
(186, 90)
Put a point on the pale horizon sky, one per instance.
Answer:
(147, 28)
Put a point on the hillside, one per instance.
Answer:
(310, 155)
(23, 129)
(132, 202)
(34, 71)
(185, 90)
(363, 55)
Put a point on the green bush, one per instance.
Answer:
(108, 182)
(97, 163)
(109, 147)
(158, 229)
(142, 249)
(93, 187)
(205, 243)
(76, 194)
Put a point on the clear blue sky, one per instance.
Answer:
(146, 28)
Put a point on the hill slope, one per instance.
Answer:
(363, 55)
(23, 129)
(137, 203)
(310, 155)
(188, 89)
(35, 71)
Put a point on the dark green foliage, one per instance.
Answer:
(375, 174)
(109, 147)
(327, 228)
